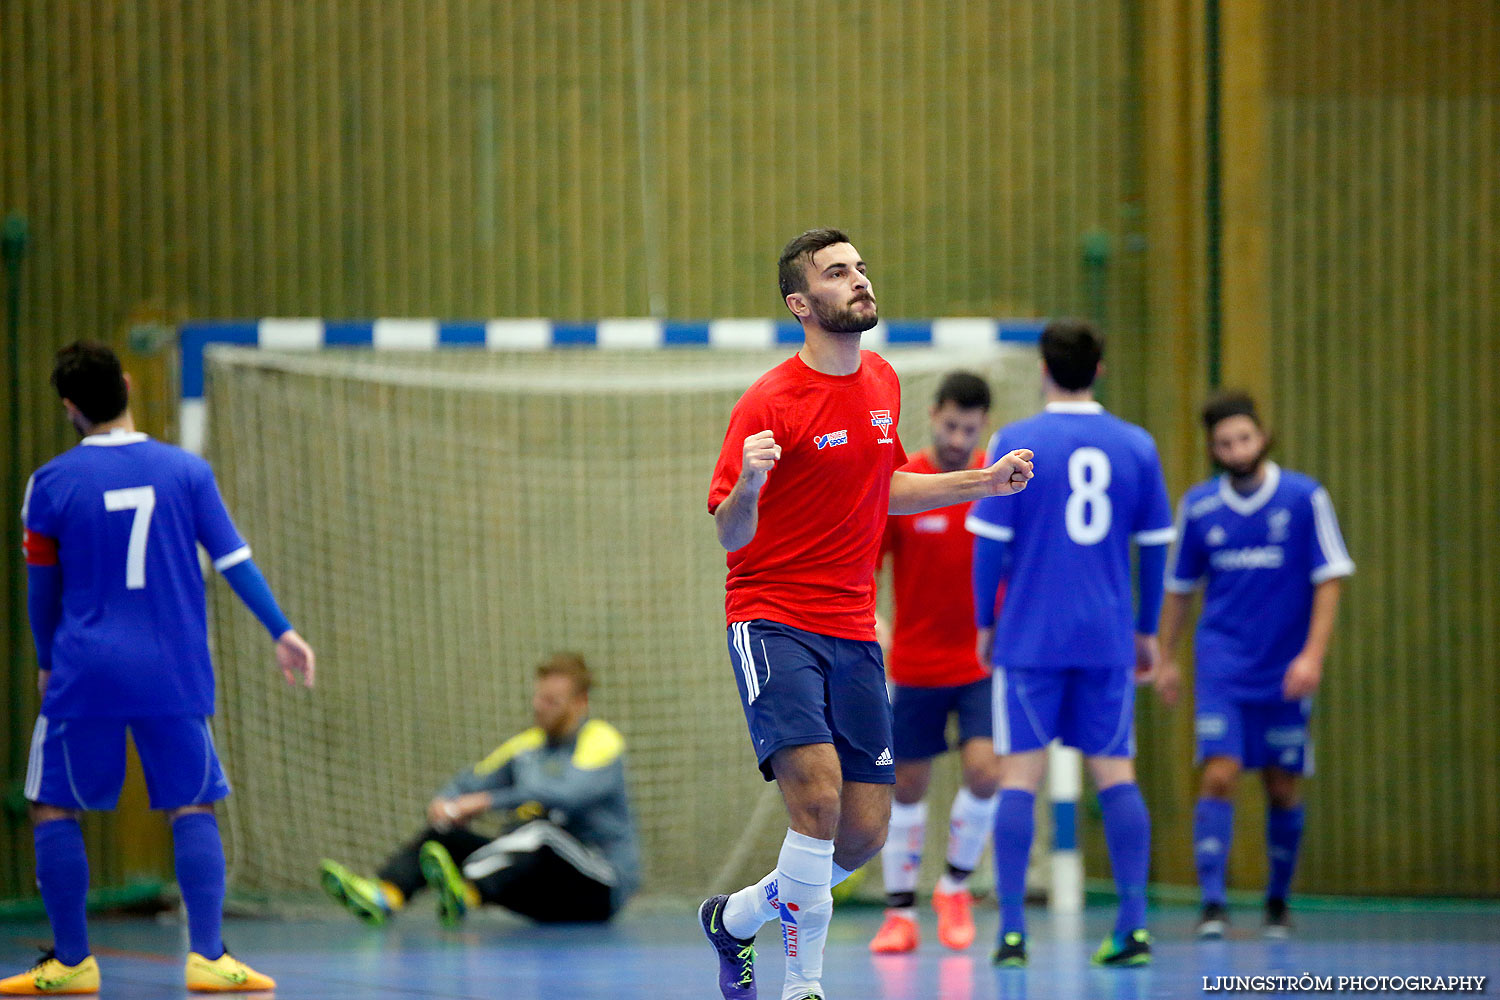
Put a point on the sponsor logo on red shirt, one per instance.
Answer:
(882, 420)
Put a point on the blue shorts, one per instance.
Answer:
(80, 763)
(799, 688)
(1091, 708)
(1255, 733)
(921, 717)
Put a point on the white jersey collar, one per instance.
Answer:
(1087, 406)
(1247, 505)
(114, 437)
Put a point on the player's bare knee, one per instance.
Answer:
(857, 845)
(815, 812)
(41, 813)
(911, 782)
(1282, 788)
(982, 782)
(1220, 778)
(174, 814)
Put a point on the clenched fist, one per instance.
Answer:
(760, 454)
(1010, 472)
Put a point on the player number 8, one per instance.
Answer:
(1088, 512)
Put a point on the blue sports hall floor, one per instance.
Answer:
(655, 950)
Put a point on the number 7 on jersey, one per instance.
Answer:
(141, 499)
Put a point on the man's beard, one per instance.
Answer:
(1246, 469)
(951, 459)
(844, 320)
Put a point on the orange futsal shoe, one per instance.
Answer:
(955, 913)
(897, 936)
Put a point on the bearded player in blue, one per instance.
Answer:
(1267, 544)
(116, 603)
(1071, 649)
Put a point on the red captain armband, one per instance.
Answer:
(40, 550)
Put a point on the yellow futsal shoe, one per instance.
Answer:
(455, 894)
(49, 977)
(225, 974)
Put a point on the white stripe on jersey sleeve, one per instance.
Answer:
(1175, 584)
(26, 500)
(985, 529)
(1330, 541)
(1156, 536)
(234, 558)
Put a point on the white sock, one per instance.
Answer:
(803, 872)
(754, 906)
(901, 857)
(969, 828)
(750, 908)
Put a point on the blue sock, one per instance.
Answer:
(62, 875)
(1015, 825)
(1213, 829)
(1127, 832)
(1283, 838)
(200, 878)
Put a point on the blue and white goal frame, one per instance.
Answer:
(196, 336)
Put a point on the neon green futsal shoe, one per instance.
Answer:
(1010, 951)
(455, 894)
(361, 896)
(1125, 950)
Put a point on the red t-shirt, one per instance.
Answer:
(932, 642)
(811, 563)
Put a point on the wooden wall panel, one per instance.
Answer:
(463, 158)
(1386, 244)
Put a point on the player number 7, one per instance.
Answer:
(141, 499)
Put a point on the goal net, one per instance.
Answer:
(436, 523)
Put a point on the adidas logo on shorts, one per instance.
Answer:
(884, 760)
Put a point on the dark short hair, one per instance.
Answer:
(88, 374)
(791, 269)
(1072, 349)
(569, 665)
(1226, 404)
(964, 390)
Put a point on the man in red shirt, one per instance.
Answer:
(805, 479)
(935, 672)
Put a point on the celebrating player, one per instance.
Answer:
(117, 612)
(1065, 666)
(800, 495)
(935, 673)
(1267, 543)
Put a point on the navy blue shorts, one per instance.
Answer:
(799, 688)
(921, 717)
(80, 763)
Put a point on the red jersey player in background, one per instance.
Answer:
(807, 474)
(935, 672)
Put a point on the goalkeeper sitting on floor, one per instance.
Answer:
(571, 853)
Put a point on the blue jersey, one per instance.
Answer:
(1098, 486)
(126, 513)
(1262, 555)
